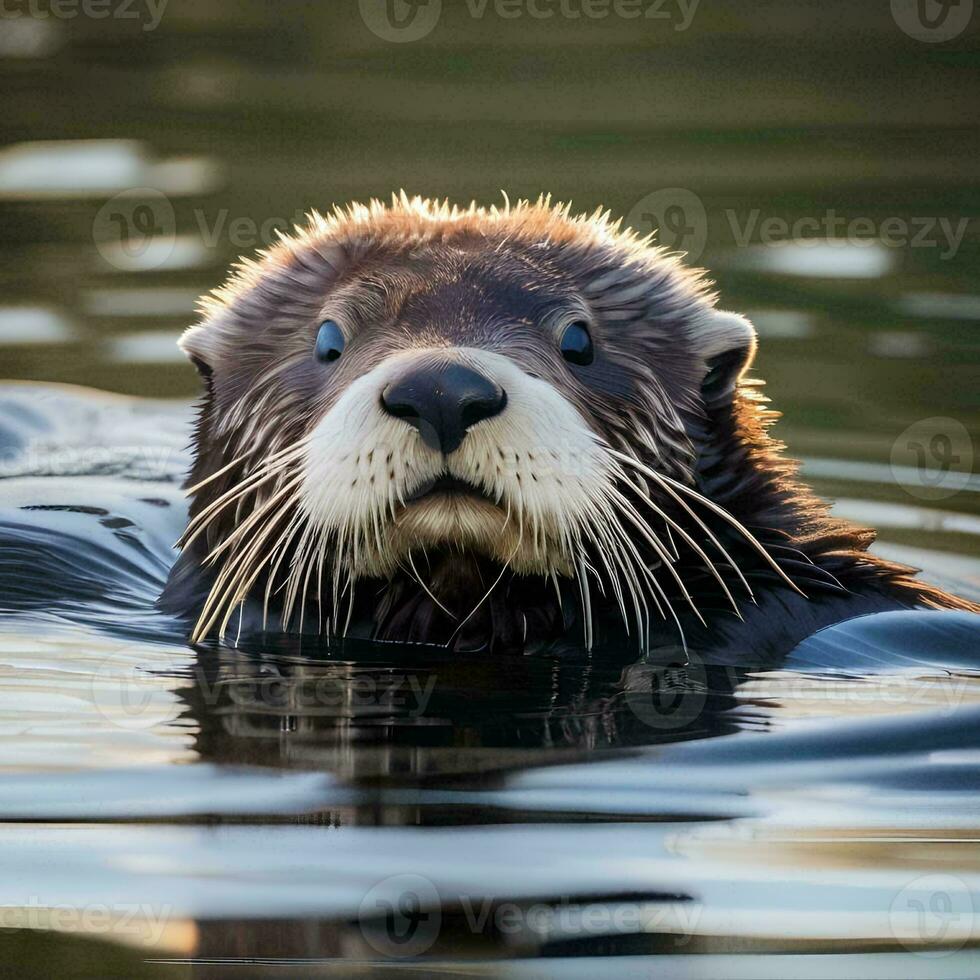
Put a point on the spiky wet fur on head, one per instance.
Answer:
(633, 477)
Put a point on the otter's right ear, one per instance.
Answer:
(727, 343)
(200, 344)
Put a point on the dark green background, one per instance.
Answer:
(789, 107)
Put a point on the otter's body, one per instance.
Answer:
(497, 429)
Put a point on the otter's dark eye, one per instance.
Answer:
(329, 341)
(576, 343)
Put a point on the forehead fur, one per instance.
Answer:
(602, 247)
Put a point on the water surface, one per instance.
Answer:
(169, 811)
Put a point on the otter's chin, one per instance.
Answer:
(459, 610)
(455, 519)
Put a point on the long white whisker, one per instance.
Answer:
(426, 589)
(698, 550)
(271, 457)
(669, 483)
(236, 568)
(629, 512)
(278, 553)
(496, 581)
(234, 494)
(255, 517)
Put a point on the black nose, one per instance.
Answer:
(442, 401)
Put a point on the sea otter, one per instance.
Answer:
(489, 428)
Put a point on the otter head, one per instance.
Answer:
(436, 418)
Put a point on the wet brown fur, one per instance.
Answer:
(424, 274)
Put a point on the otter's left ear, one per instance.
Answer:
(201, 344)
(727, 343)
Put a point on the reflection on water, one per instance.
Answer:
(371, 808)
(827, 259)
(95, 168)
(32, 325)
(287, 803)
(367, 802)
